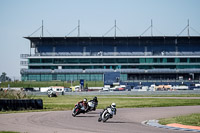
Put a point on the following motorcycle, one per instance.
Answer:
(92, 105)
(107, 114)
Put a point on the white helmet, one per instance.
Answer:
(85, 100)
(113, 105)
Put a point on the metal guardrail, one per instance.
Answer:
(146, 93)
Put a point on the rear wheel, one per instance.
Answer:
(99, 120)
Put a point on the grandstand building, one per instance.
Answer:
(152, 59)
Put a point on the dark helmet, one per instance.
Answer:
(95, 98)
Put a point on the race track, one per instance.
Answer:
(127, 120)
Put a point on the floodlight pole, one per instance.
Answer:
(151, 27)
(78, 28)
(115, 28)
(42, 29)
(188, 26)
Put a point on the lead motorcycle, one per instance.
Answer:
(107, 113)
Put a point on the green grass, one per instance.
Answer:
(67, 102)
(192, 119)
(26, 84)
(155, 95)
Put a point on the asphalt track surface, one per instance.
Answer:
(127, 120)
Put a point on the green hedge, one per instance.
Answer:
(25, 84)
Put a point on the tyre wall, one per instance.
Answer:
(20, 104)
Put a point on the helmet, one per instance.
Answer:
(113, 105)
(85, 100)
(95, 98)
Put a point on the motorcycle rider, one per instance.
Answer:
(84, 105)
(95, 101)
(113, 108)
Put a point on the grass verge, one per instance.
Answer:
(67, 102)
(25, 84)
(192, 119)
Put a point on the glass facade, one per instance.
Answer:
(91, 56)
(63, 77)
(114, 60)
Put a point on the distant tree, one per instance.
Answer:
(4, 78)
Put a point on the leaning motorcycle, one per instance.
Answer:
(107, 114)
(92, 105)
(77, 110)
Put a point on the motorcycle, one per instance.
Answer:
(51, 93)
(107, 114)
(77, 110)
(92, 105)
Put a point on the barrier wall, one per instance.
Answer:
(20, 104)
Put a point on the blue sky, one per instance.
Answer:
(19, 18)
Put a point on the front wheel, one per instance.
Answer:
(73, 115)
(107, 116)
(75, 111)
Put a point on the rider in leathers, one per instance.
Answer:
(83, 104)
(113, 107)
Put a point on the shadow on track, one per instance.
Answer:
(117, 122)
(86, 116)
(93, 113)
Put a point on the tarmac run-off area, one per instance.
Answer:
(127, 120)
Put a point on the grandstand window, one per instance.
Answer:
(61, 77)
(34, 60)
(134, 60)
(96, 77)
(149, 60)
(170, 60)
(123, 77)
(72, 60)
(34, 77)
(183, 60)
(58, 61)
(158, 60)
(109, 60)
(142, 60)
(121, 60)
(46, 77)
(187, 66)
(98, 67)
(84, 76)
(164, 60)
(177, 60)
(96, 60)
(47, 61)
(71, 77)
(195, 60)
(84, 60)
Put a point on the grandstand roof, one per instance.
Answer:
(118, 37)
(131, 40)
